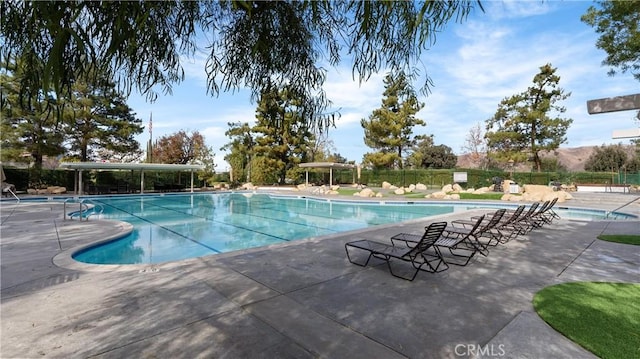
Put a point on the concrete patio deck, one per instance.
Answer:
(302, 299)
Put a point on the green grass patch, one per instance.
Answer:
(493, 196)
(621, 238)
(604, 318)
(347, 191)
(415, 195)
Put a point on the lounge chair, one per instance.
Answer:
(415, 254)
(508, 225)
(526, 220)
(546, 215)
(487, 229)
(538, 218)
(465, 242)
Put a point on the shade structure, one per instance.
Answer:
(330, 166)
(110, 166)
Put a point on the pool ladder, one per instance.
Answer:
(85, 205)
(624, 205)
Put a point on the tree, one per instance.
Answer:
(389, 128)
(99, 121)
(522, 127)
(282, 134)
(241, 150)
(475, 145)
(253, 44)
(606, 159)
(428, 155)
(29, 115)
(182, 148)
(617, 22)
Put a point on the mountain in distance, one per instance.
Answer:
(573, 159)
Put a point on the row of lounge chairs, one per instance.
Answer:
(463, 239)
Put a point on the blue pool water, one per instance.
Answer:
(175, 227)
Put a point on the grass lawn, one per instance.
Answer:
(347, 191)
(604, 318)
(621, 238)
(494, 196)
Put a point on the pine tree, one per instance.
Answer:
(522, 127)
(389, 129)
(282, 133)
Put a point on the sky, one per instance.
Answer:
(473, 65)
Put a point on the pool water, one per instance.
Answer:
(175, 227)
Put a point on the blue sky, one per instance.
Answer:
(473, 65)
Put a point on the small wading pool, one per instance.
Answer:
(176, 226)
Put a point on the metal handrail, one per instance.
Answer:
(624, 205)
(83, 206)
(13, 194)
(95, 205)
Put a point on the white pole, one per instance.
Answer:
(80, 183)
(141, 181)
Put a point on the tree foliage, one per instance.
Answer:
(99, 121)
(240, 150)
(428, 155)
(282, 134)
(30, 124)
(522, 125)
(606, 159)
(618, 23)
(389, 129)
(182, 148)
(253, 44)
(475, 146)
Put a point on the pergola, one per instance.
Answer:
(108, 166)
(330, 166)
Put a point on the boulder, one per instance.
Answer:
(393, 188)
(421, 187)
(412, 187)
(437, 195)
(56, 190)
(386, 185)
(367, 192)
(335, 187)
(408, 190)
(454, 196)
(378, 195)
(399, 191)
(447, 188)
(457, 188)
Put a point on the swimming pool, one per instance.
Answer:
(177, 226)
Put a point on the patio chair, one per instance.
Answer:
(538, 219)
(465, 242)
(508, 224)
(525, 221)
(415, 254)
(487, 229)
(547, 214)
